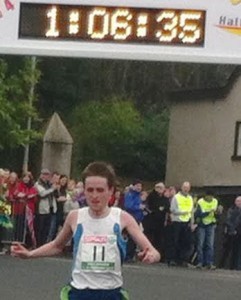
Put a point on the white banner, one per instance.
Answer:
(169, 30)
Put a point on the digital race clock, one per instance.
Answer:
(202, 31)
(127, 25)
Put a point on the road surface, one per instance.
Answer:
(41, 279)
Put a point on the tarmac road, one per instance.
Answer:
(41, 279)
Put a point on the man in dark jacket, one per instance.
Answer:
(158, 206)
(232, 241)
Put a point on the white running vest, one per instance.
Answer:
(97, 262)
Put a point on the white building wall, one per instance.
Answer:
(201, 141)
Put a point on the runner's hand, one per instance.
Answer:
(149, 256)
(18, 250)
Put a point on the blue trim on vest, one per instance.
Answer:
(121, 242)
(77, 237)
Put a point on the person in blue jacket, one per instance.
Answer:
(133, 205)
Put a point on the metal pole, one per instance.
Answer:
(29, 121)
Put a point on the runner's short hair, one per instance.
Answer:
(102, 169)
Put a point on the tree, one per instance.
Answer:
(80, 80)
(15, 108)
(116, 132)
(151, 149)
(105, 131)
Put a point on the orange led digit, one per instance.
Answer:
(169, 21)
(101, 17)
(52, 16)
(120, 26)
(191, 29)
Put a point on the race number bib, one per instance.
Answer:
(98, 252)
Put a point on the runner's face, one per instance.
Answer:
(97, 193)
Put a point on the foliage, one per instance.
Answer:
(114, 131)
(151, 149)
(80, 80)
(105, 131)
(132, 134)
(5, 211)
(15, 107)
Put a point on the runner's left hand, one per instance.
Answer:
(149, 256)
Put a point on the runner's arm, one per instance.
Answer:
(50, 249)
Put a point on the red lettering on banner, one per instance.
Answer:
(93, 239)
(9, 5)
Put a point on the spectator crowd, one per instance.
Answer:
(181, 227)
(38, 209)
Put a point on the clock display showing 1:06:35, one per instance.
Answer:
(112, 24)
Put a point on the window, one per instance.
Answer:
(237, 142)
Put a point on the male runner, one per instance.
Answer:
(98, 244)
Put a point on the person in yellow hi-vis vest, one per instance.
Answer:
(181, 214)
(205, 215)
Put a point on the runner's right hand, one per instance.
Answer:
(18, 250)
